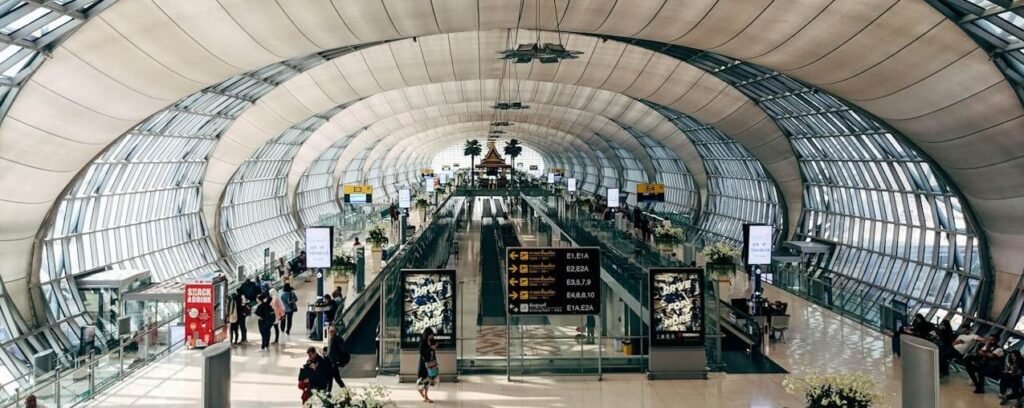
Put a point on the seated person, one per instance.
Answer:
(965, 342)
(945, 340)
(921, 327)
(986, 362)
(1010, 382)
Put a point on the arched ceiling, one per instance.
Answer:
(901, 61)
(451, 59)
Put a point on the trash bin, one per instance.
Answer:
(627, 347)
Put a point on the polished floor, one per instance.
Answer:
(818, 340)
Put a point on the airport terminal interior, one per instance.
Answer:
(511, 203)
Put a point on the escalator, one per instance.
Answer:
(359, 322)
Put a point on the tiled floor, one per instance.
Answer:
(818, 340)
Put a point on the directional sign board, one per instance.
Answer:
(553, 281)
(650, 192)
(358, 193)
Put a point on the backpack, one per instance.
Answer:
(344, 358)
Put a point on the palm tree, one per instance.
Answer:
(513, 149)
(472, 149)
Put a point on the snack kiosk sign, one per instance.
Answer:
(199, 314)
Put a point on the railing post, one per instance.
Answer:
(56, 389)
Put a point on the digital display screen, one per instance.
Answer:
(613, 198)
(428, 184)
(677, 306)
(572, 185)
(318, 247)
(759, 244)
(356, 198)
(428, 300)
(404, 198)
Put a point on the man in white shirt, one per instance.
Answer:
(965, 341)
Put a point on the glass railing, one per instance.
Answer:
(428, 248)
(84, 377)
(868, 309)
(69, 385)
(626, 260)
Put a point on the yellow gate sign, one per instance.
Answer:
(358, 193)
(649, 192)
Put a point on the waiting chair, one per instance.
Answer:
(780, 324)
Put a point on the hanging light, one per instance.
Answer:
(546, 53)
(509, 106)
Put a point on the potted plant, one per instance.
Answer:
(377, 237)
(422, 203)
(668, 236)
(373, 396)
(342, 268)
(848, 390)
(721, 258)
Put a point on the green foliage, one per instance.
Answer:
(377, 236)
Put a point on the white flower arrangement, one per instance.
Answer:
(372, 396)
(668, 234)
(721, 253)
(845, 390)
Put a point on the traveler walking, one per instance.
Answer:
(427, 372)
(291, 305)
(278, 306)
(338, 356)
(265, 313)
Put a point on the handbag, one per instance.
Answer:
(432, 369)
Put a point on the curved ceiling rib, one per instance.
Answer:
(609, 65)
(427, 98)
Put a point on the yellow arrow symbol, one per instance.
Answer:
(514, 256)
(513, 295)
(512, 282)
(513, 268)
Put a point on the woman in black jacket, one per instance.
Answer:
(428, 359)
(945, 337)
(265, 313)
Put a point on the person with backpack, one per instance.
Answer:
(291, 305)
(338, 356)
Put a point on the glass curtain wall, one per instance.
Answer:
(897, 227)
(998, 27)
(138, 206)
(680, 189)
(739, 188)
(256, 212)
(314, 195)
(30, 30)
